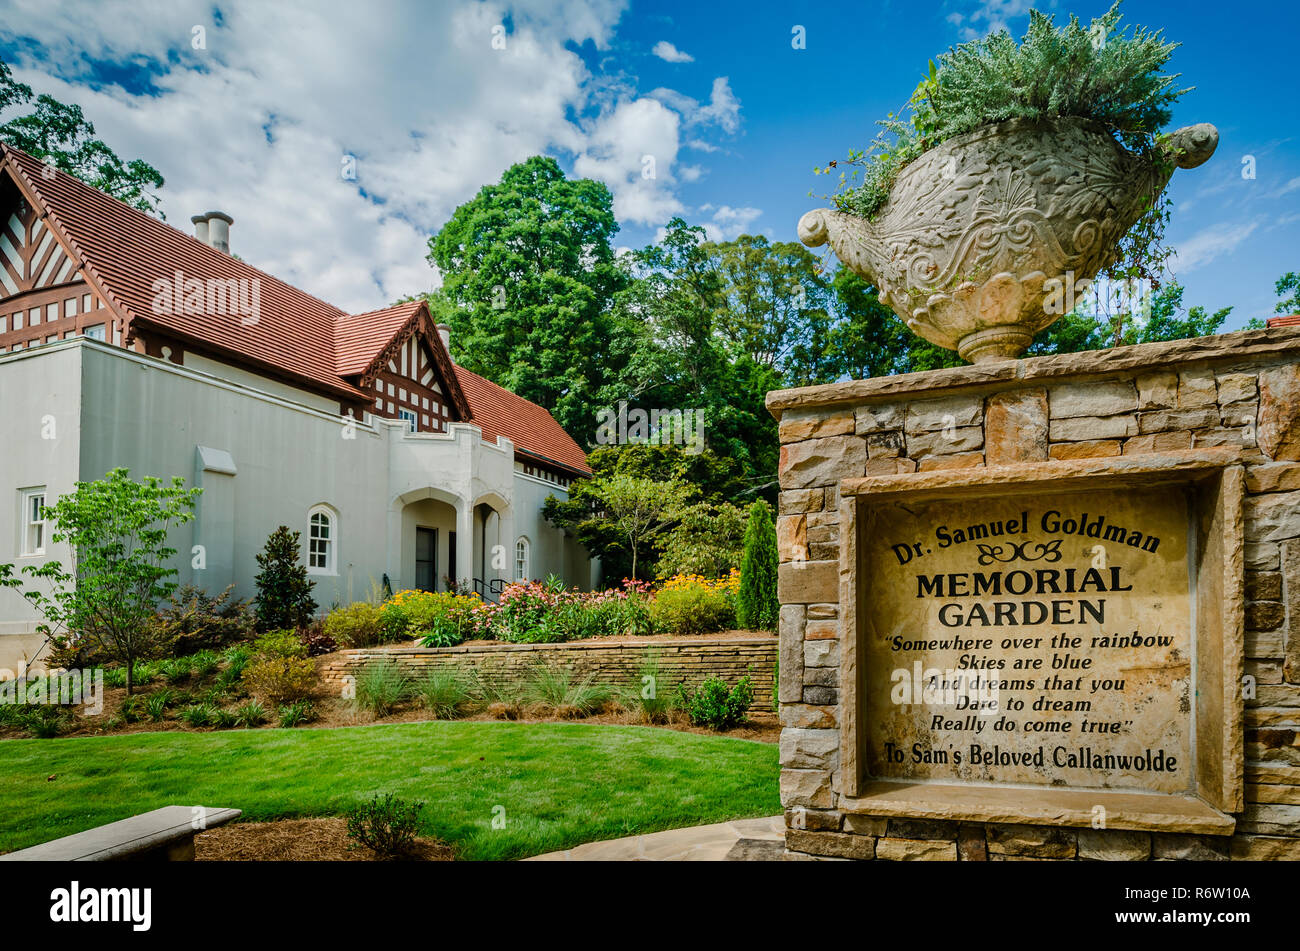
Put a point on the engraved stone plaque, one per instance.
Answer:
(1042, 639)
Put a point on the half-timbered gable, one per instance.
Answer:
(396, 356)
(43, 294)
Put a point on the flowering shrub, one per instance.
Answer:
(435, 618)
(547, 612)
(691, 604)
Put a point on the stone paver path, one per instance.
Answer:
(743, 840)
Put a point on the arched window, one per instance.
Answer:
(521, 560)
(322, 540)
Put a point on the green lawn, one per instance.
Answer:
(560, 784)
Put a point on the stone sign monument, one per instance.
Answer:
(1045, 607)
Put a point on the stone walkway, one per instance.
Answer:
(741, 840)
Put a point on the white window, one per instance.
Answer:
(96, 332)
(322, 541)
(33, 523)
(407, 415)
(521, 560)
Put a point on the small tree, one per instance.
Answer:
(756, 602)
(117, 532)
(640, 509)
(707, 540)
(283, 591)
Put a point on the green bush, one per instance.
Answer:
(382, 686)
(392, 623)
(283, 643)
(224, 719)
(692, 609)
(385, 825)
(250, 714)
(757, 606)
(283, 588)
(357, 625)
(447, 693)
(715, 705)
(441, 619)
(199, 621)
(280, 680)
(296, 713)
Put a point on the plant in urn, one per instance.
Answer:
(1022, 172)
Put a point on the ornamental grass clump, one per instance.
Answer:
(447, 693)
(1101, 72)
(558, 690)
(382, 686)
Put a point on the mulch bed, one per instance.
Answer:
(333, 711)
(298, 840)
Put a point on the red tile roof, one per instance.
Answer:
(1292, 320)
(359, 338)
(124, 251)
(530, 427)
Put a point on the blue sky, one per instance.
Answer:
(257, 120)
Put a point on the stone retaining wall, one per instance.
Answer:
(1233, 390)
(688, 660)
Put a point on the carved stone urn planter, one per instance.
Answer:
(981, 235)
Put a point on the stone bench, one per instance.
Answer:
(165, 834)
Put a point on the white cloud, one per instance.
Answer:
(671, 54)
(995, 15)
(257, 123)
(730, 223)
(633, 149)
(1213, 242)
(722, 110)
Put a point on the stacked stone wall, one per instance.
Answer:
(1240, 390)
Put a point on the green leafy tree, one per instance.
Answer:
(1149, 319)
(105, 599)
(283, 590)
(60, 135)
(712, 478)
(1288, 283)
(757, 605)
(706, 540)
(639, 510)
(678, 354)
(775, 307)
(528, 268)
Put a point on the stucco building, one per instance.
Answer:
(125, 342)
